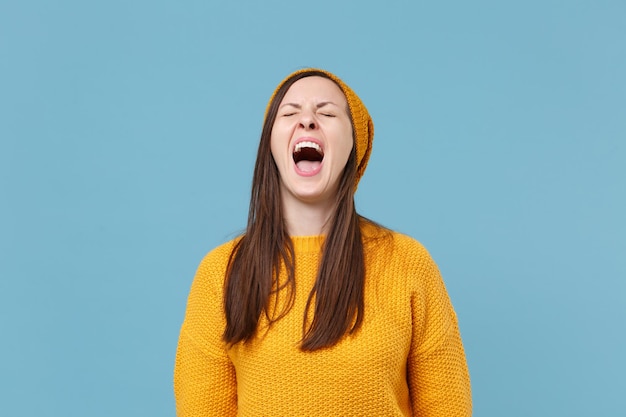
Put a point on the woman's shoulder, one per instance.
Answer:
(216, 260)
(399, 254)
(409, 245)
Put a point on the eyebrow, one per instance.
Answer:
(298, 106)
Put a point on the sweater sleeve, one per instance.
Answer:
(204, 377)
(438, 376)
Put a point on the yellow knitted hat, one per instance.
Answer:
(362, 124)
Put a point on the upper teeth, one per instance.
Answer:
(307, 144)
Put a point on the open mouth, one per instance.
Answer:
(308, 156)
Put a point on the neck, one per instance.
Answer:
(306, 219)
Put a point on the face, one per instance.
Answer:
(311, 140)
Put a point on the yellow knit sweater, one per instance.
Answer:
(406, 359)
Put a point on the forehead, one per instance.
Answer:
(315, 89)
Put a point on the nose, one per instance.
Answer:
(307, 121)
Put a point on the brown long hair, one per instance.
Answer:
(265, 248)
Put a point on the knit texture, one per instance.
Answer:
(406, 359)
(362, 124)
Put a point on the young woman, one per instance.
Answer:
(316, 311)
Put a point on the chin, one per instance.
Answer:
(310, 196)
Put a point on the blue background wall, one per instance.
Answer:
(128, 132)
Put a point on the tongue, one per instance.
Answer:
(308, 166)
